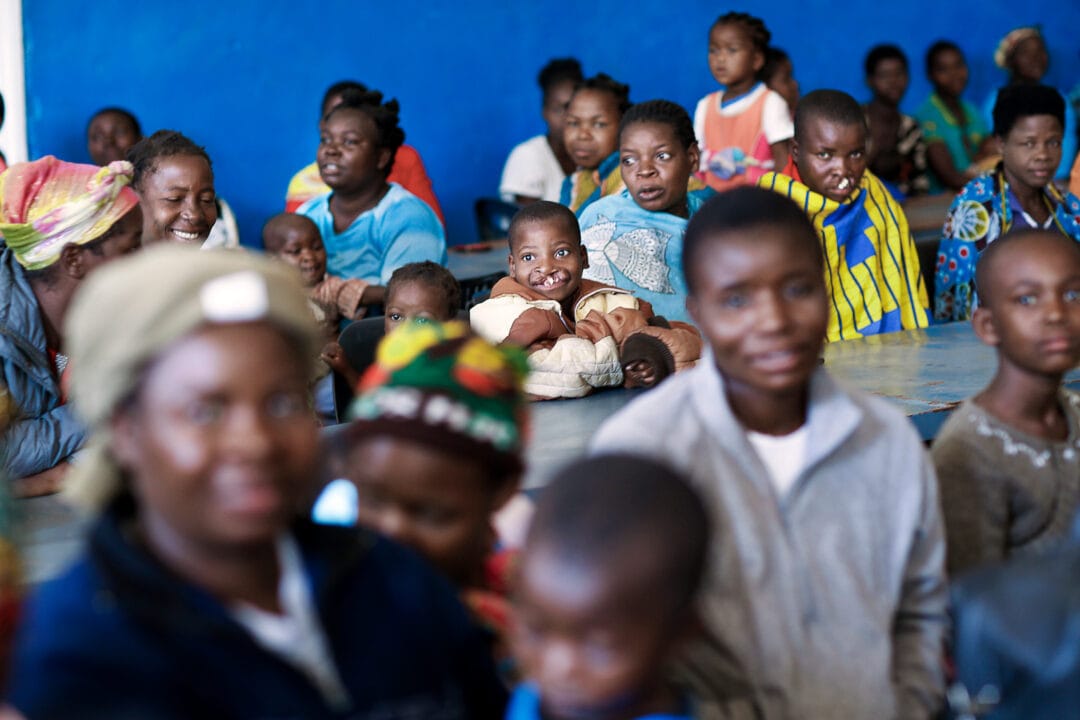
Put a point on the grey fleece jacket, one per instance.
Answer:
(44, 432)
(831, 601)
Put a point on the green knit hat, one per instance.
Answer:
(441, 385)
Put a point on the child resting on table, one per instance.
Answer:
(580, 334)
(871, 262)
(434, 450)
(634, 238)
(605, 595)
(744, 128)
(1008, 459)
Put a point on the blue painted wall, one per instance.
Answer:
(245, 77)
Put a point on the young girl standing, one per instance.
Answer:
(744, 129)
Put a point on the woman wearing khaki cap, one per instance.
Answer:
(200, 592)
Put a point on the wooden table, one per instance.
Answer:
(924, 373)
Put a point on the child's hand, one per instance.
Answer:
(639, 373)
(334, 356)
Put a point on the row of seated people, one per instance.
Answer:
(639, 589)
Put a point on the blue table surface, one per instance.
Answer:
(925, 373)
(469, 265)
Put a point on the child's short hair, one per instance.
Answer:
(559, 70)
(605, 83)
(936, 49)
(126, 114)
(383, 114)
(743, 209)
(1019, 101)
(431, 275)
(774, 58)
(831, 105)
(880, 53)
(164, 143)
(661, 111)
(602, 509)
(754, 26)
(545, 211)
(987, 262)
(270, 236)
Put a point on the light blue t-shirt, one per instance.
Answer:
(399, 230)
(639, 250)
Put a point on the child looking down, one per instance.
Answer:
(577, 332)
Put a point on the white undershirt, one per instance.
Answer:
(296, 636)
(784, 456)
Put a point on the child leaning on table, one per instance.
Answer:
(579, 334)
(1008, 459)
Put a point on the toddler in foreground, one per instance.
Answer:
(605, 594)
(579, 334)
(1008, 459)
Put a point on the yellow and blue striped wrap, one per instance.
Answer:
(872, 270)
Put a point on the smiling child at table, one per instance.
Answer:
(580, 334)
(1019, 193)
(634, 237)
(1008, 459)
(817, 492)
(370, 227)
(872, 272)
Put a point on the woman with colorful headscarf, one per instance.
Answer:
(1023, 54)
(58, 221)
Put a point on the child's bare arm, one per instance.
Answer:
(334, 356)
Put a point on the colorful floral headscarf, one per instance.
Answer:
(49, 203)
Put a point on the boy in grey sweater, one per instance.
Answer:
(827, 589)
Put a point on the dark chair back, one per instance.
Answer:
(493, 218)
(359, 340)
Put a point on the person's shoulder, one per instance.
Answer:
(877, 415)
(316, 207)
(401, 207)
(648, 419)
(408, 155)
(609, 207)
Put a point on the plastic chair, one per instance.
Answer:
(493, 218)
(476, 290)
(359, 340)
